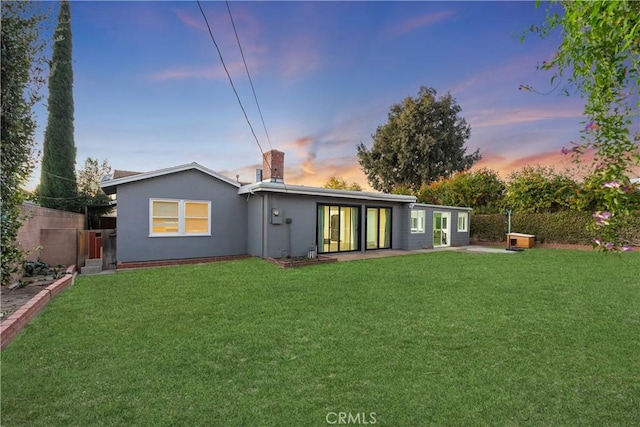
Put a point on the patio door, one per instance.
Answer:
(441, 228)
(378, 228)
(338, 228)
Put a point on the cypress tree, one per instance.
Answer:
(58, 185)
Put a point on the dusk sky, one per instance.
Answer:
(150, 90)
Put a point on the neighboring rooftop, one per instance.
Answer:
(121, 174)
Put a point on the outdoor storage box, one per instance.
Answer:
(520, 240)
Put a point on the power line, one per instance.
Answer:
(58, 176)
(248, 75)
(206, 21)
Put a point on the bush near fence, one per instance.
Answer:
(559, 227)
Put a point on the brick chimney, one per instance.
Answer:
(273, 166)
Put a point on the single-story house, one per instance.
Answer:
(190, 211)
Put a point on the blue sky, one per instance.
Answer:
(150, 91)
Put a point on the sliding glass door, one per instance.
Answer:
(378, 228)
(338, 228)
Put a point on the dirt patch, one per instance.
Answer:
(13, 299)
(301, 261)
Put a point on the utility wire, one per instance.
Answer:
(58, 176)
(206, 21)
(248, 74)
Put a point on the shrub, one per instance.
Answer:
(539, 189)
(560, 227)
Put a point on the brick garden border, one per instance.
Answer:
(11, 327)
(172, 262)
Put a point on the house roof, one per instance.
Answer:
(279, 187)
(109, 185)
(117, 173)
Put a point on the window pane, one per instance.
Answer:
(165, 209)
(372, 228)
(462, 221)
(385, 228)
(165, 225)
(196, 210)
(417, 221)
(198, 225)
(323, 229)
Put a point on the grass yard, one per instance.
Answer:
(543, 337)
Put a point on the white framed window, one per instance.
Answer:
(173, 218)
(463, 221)
(417, 221)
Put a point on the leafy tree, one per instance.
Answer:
(89, 178)
(481, 190)
(22, 64)
(337, 183)
(539, 189)
(58, 186)
(89, 192)
(599, 56)
(422, 142)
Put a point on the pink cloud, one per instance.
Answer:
(300, 143)
(191, 20)
(506, 72)
(212, 72)
(419, 22)
(504, 164)
(502, 117)
(300, 57)
(316, 173)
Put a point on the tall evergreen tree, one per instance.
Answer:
(58, 185)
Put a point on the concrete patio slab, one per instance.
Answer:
(350, 256)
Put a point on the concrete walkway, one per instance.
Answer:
(350, 256)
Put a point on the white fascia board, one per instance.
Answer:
(427, 205)
(271, 187)
(111, 183)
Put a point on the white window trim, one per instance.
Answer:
(181, 218)
(421, 221)
(465, 222)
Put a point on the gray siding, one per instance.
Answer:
(228, 218)
(255, 225)
(294, 239)
(414, 241)
(419, 240)
(459, 238)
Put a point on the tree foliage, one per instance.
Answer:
(423, 141)
(481, 190)
(89, 178)
(90, 194)
(599, 56)
(22, 64)
(58, 186)
(540, 189)
(338, 183)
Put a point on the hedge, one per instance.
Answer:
(558, 227)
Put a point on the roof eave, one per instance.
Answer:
(325, 192)
(109, 186)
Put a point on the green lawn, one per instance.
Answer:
(542, 337)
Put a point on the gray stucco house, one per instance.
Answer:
(189, 211)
